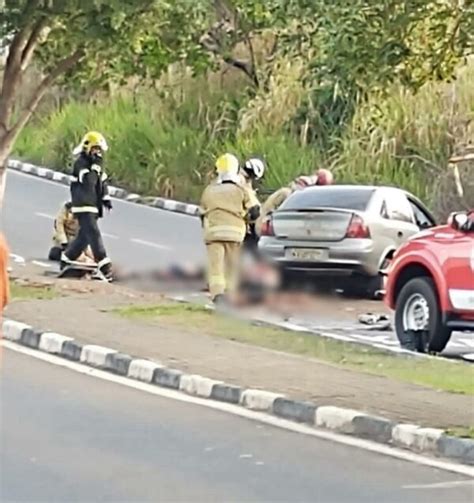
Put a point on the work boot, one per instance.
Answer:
(105, 269)
(64, 261)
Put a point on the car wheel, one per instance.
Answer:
(365, 287)
(375, 284)
(287, 279)
(418, 322)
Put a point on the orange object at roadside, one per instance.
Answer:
(4, 284)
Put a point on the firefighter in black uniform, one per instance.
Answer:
(89, 195)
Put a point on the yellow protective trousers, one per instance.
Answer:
(223, 266)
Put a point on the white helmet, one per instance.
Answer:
(255, 168)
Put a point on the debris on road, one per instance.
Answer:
(375, 321)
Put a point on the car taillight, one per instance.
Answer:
(267, 228)
(357, 228)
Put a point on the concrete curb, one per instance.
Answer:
(116, 192)
(355, 423)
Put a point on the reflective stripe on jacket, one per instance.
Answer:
(224, 207)
(89, 188)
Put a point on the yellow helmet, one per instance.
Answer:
(227, 164)
(91, 139)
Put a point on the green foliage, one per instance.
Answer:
(349, 85)
(364, 46)
(407, 138)
(367, 43)
(164, 143)
(117, 38)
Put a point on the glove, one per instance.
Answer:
(108, 204)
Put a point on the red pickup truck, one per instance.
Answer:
(430, 285)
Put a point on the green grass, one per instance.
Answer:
(461, 432)
(434, 373)
(31, 292)
(164, 141)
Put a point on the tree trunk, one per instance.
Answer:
(3, 182)
(6, 145)
(10, 133)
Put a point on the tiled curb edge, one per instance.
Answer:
(346, 421)
(118, 193)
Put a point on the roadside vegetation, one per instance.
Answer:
(20, 291)
(439, 374)
(164, 143)
(461, 432)
(379, 92)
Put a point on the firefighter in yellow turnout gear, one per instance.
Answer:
(66, 227)
(225, 206)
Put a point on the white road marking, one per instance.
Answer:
(456, 345)
(110, 236)
(119, 201)
(246, 413)
(45, 215)
(441, 485)
(150, 243)
(17, 258)
(41, 264)
(259, 463)
(246, 456)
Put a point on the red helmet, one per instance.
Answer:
(324, 177)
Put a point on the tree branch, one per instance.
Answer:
(21, 37)
(12, 71)
(213, 45)
(61, 67)
(32, 43)
(253, 60)
(243, 66)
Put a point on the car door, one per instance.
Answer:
(399, 218)
(457, 259)
(423, 218)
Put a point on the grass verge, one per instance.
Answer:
(31, 292)
(434, 373)
(461, 432)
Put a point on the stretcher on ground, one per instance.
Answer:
(79, 270)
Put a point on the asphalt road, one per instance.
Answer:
(135, 236)
(140, 238)
(71, 437)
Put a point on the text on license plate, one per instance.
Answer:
(309, 254)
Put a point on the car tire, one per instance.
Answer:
(418, 303)
(287, 279)
(365, 287)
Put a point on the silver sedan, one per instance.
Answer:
(348, 231)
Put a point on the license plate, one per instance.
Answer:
(306, 254)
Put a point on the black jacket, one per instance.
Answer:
(89, 187)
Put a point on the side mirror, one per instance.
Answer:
(458, 220)
(425, 225)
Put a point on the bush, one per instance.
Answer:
(164, 143)
(156, 148)
(407, 139)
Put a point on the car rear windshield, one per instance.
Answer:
(347, 198)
